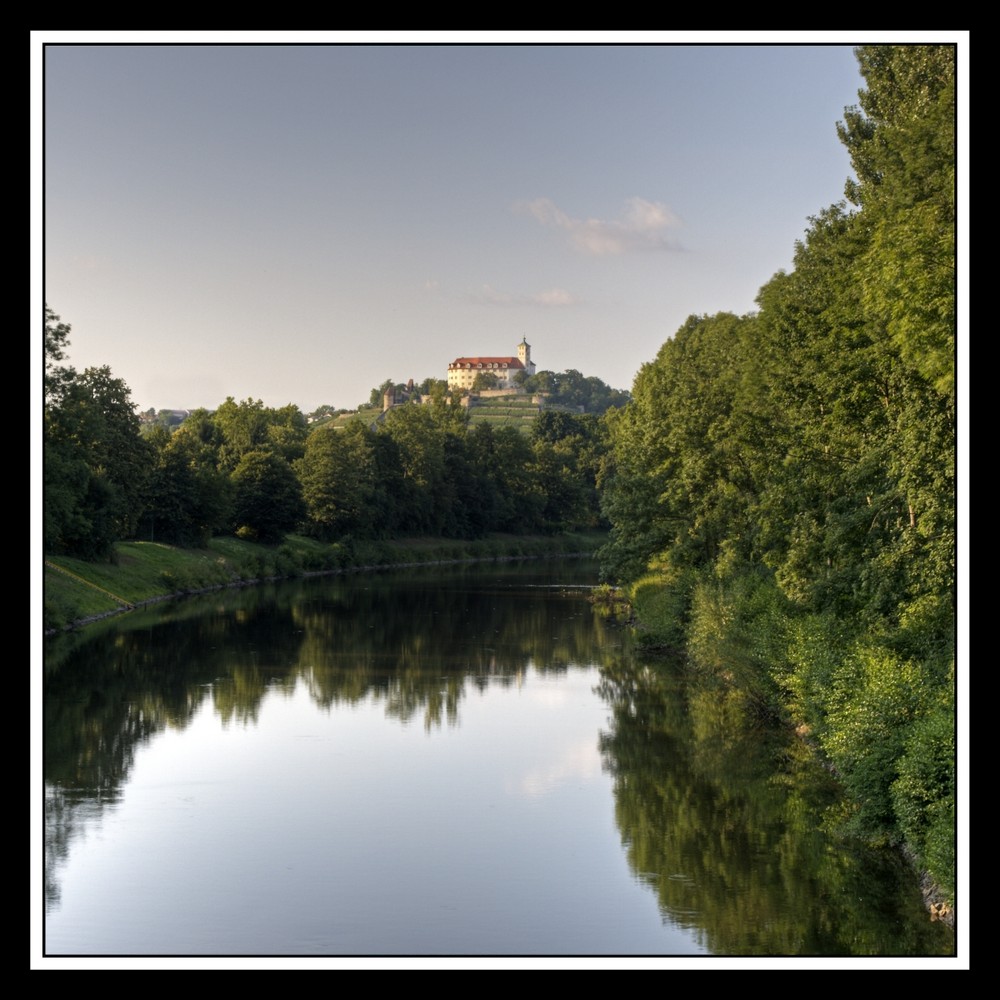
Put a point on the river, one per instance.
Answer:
(460, 761)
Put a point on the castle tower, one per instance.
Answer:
(524, 356)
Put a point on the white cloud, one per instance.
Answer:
(549, 297)
(575, 764)
(489, 294)
(644, 225)
(553, 297)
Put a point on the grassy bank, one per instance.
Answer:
(77, 592)
(878, 704)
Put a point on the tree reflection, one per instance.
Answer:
(411, 642)
(724, 821)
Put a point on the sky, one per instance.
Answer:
(297, 223)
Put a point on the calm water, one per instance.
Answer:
(464, 761)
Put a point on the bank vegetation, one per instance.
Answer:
(781, 489)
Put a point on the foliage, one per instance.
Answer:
(817, 644)
(800, 463)
(167, 419)
(738, 631)
(902, 146)
(686, 465)
(504, 456)
(188, 498)
(57, 376)
(95, 461)
(588, 394)
(923, 796)
(876, 699)
(250, 426)
(662, 603)
(267, 498)
(339, 481)
(485, 380)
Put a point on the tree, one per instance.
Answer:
(541, 382)
(418, 434)
(338, 478)
(485, 380)
(244, 427)
(287, 431)
(96, 461)
(57, 377)
(507, 462)
(324, 413)
(267, 498)
(187, 497)
(809, 449)
(568, 449)
(375, 396)
(902, 146)
(431, 385)
(682, 475)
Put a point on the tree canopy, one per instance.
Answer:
(794, 468)
(95, 460)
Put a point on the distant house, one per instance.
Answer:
(462, 372)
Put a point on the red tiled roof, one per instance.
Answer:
(476, 362)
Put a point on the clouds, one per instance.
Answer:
(550, 297)
(644, 225)
(553, 297)
(494, 297)
(574, 764)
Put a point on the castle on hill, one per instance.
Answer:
(462, 372)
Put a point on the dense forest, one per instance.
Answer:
(781, 489)
(779, 486)
(261, 472)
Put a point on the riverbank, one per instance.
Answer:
(77, 593)
(890, 744)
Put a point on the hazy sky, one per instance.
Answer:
(298, 223)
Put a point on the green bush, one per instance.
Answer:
(927, 632)
(738, 630)
(939, 846)
(877, 699)
(817, 645)
(662, 603)
(923, 795)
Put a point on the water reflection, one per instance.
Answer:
(733, 826)
(721, 825)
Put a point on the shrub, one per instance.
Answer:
(738, 630)
(662, 603)
(817, 645)
(877, 699)
(923, 795)
(927, 632)
(939, 846)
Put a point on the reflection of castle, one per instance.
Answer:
(462, 372)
